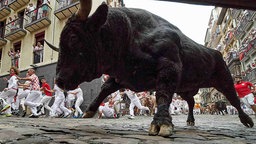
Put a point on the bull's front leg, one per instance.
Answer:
(107, 88)
(167, 82)
(162, 121)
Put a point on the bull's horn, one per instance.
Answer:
(52, 46)
(84, 9)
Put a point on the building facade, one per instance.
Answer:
(233, 33)
(24, 24)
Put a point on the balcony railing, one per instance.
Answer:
(17, 4)
(235, 13)
(4, 9)
(38, 18)
(248, 48)
(233, 56)
(2, 40)
(14, 30)
(251, 75)
(65, 8)
(245, 23)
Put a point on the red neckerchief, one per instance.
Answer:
(12, 75)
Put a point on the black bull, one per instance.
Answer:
(141, 51)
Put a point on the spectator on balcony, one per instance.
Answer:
(12, 24)
(45, 8)
(245, 92)
(30, 12)
(11, 54)
(16, 58)
(38, 52)
(62, 3)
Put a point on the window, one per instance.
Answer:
(2, 25)
(16, 54)
(38, 48)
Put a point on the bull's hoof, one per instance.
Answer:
(246, 120)
(166, 130)
(153, 130)
(89, 114)
(190, 123)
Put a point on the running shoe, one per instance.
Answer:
(39, 108)
(131, 117)
(5, 107)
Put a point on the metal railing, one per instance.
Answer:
(14, 25)
(3, 3)
(251, 76)
(232, 56)
(64, 3)
(41, 12)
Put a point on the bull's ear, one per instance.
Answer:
(99, 17)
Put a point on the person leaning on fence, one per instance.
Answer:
(11, 54)
(244, 90)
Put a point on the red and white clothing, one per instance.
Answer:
(59, 102)
(79, 100)
(22, 94)
(244, 91)
(70, 99)
(46, 88)
(243, 88)
(47, 97)
(35, 85)
(11, 90)
(106, 111)
(134, 102)
(34, 96)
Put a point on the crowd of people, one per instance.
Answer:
(19, 94)
(23, 92)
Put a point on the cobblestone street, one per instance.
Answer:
(209, 129)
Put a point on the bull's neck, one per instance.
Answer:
(110, 59)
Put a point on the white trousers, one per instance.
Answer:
(32, 101)
(138, 105)
(45, 102)
(70, 102)
(8, 95)
(20, 96)
(59, 104)
(4, 103)
(79, 101)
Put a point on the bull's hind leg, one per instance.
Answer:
(224, 84)
(188, 96)
(107, 88)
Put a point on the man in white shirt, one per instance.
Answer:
(134, 102)
(9, 92)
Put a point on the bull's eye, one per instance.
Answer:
(81, 54)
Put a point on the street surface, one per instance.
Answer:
(209, 129)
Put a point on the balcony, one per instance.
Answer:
(251, 75)
(38, 19)
(14, 30)
(4, 9)
(248, 48)
(239, 32)
(17, 4)
(233, 57)
(235, 13)
(2, 40)
(66, 8)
